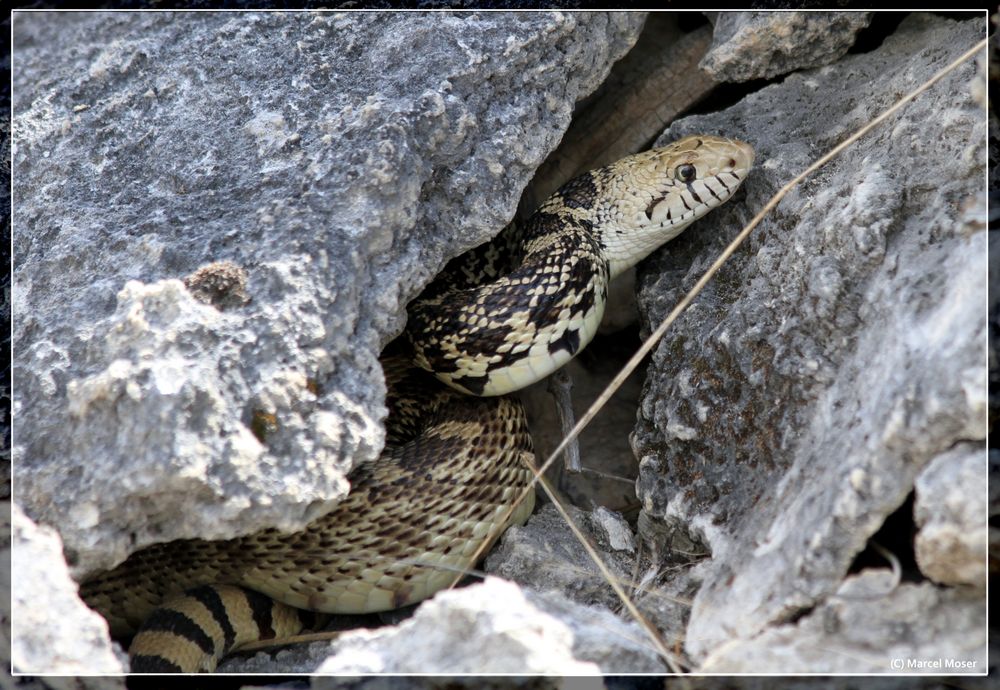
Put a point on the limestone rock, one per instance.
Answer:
(615, 644)
(55, 632)
(761, 45)
(544, 555)
(332, 160)
(487, 628)
(492, 627)
(791, 408)
(495, 627)
(917, 628)
(951, 511)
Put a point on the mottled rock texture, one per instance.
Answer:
(337, 160)
(490, 628)
(544, 555)
(951, 512)
(55, 632)
(761, 45)
(840, 350)
(495, 627)
(933, 630)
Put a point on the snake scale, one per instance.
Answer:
(498, 319)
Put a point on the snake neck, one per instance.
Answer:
(623, 251)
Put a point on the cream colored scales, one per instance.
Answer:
(500, 319)
(514, 330)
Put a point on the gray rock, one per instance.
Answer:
(790, 409)
(296, 658)
(335, 160)
(951, 512)
(613, 529)
(495, 627)
(485, 628)
(917, 628)
(452, 682)
(545, 556)
(55, 633)
(663, 594)
(601, 637)
(761, 45)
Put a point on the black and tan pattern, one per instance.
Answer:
(505, 316)
(520, 307)
(192, 631)
(464, 458)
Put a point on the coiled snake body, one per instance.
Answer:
(505, 316)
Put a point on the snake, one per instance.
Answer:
(458, 447)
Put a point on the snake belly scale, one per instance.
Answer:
(498, 319)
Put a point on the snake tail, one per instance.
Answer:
(192, 632)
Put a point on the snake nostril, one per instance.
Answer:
(732, 162)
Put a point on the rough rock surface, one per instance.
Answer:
(663, 593)
(761, 45)
(951, 511)
(491, 627)
(55, 632)
(791, 408)
(601, 637)
(495, 627)
(934, 630)
(544, 555)
(334, 158)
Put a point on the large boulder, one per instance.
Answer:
(221, 218)
(794, 405)
(319, 169)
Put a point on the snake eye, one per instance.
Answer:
(685, 173)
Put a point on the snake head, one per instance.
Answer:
(649, 198)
